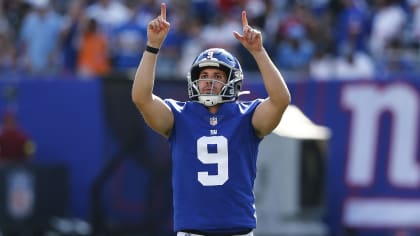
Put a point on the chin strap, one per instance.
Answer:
(210, 100)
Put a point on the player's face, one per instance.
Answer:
(211, 81)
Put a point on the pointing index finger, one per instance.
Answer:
(244, 19)
(163, 11)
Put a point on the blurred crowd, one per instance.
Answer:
(307, 39)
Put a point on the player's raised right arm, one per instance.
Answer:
(156, 113)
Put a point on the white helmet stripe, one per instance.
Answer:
(208, 63)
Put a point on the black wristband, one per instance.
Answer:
(152, 49)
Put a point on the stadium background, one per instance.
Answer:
(99, 169)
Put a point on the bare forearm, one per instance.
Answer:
(273, 80)
(144, 79)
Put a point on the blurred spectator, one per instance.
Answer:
(4, 23)
(15, 11)
(321, 66)
(319, 7)
(169, 56)
(397, 60)
(7, 52)
(15, 144)
(414, 6)
(275, 10)
(230, 6)
(388, 24)
(70, 35)
(350, 64)
(93, 58)
(108, 14)
(219, 32)
(192, 46)
(299, 15)
(352, 25)
(39, 37)
(353, 64)
(127, 41)
(204, 10)
(296, 50)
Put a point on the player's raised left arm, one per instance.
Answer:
(268, 114)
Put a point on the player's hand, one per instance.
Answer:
(158, 28)
(251, 38)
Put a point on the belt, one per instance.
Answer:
(194, 234)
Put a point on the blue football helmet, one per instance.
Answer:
(221, 59)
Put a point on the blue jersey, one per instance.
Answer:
(214, 166)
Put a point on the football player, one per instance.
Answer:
(214, 137)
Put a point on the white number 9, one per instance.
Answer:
(220, 157)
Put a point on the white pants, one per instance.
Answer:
(189, 234)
